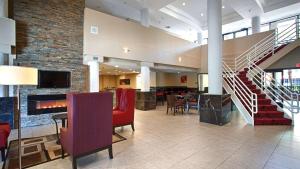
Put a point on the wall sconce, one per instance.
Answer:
(179, 59)
(126, 50)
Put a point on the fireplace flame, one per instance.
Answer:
(51, 104)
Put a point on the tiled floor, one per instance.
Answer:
(181, 142)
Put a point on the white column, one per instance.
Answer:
(145, 76)
(199, 38)
(94, 76)
(214, 46)
(145, 18)
(3, 8)
(255, 21)
(3, 13)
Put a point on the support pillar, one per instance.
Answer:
(215, 80)
(145, 99)
(94, 76)
(199, 38)
(255, 21)
(3, 13)
(145, 76)
(145, 18)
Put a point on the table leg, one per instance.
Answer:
(58, 141)
(63, 123)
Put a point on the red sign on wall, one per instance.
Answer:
(297, 64)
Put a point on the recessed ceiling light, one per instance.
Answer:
(201, 14)
(183, 4)
(223, 6)
(117, 66)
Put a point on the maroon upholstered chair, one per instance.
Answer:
(89, 125)
(123, 113)
(4, 133)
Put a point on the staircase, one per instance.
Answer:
(260, 99)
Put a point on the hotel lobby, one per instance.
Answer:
(142, 84)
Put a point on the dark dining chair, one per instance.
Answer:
(174, 104)
(193, 103)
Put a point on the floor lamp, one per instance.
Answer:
(18, 76)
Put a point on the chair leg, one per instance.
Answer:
(62, 152)
(114, 131)
(2, 154)
(167, 109)
(174, 110)
(74, 163)
(110, 152)
(132, 126)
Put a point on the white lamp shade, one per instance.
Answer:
(17, 75)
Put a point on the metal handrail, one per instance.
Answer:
(282, 92)
(267, 44)
(240, 89)
(250, 58)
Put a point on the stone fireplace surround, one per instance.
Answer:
(49, 37)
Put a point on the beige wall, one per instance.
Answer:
(233, 47)
(107, 81)
(145, 44)
(288, 61)
(173, 79)
(151, 44)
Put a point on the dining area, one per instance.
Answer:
(183, 103)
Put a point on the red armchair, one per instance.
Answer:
(123, 113)
(4, 133)
(89, 125)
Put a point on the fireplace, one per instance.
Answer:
(44, 104)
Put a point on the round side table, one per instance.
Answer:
(63, 117)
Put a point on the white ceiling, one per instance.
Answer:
(187, 17)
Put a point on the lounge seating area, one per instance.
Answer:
(144, 84)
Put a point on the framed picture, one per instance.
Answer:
(124, 81)
(183, 79)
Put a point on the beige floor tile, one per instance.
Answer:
(181, 142)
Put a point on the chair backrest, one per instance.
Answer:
(171, 100)
(126, 100)
(90, 120)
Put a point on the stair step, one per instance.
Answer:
(272, 121)
(267, 107)
(269, 114)
(264, 101)
(257, 91)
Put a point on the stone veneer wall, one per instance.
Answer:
(49, 37)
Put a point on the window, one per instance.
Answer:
(228, 36)
(264, 27)
(241, 33)
(204, 41)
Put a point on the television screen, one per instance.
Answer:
(53, 79)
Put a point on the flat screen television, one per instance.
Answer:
(53, 79)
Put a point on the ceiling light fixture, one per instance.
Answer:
(223, 6)
(179, 59)
(117, 66)
(201, 14)
(183, 4)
